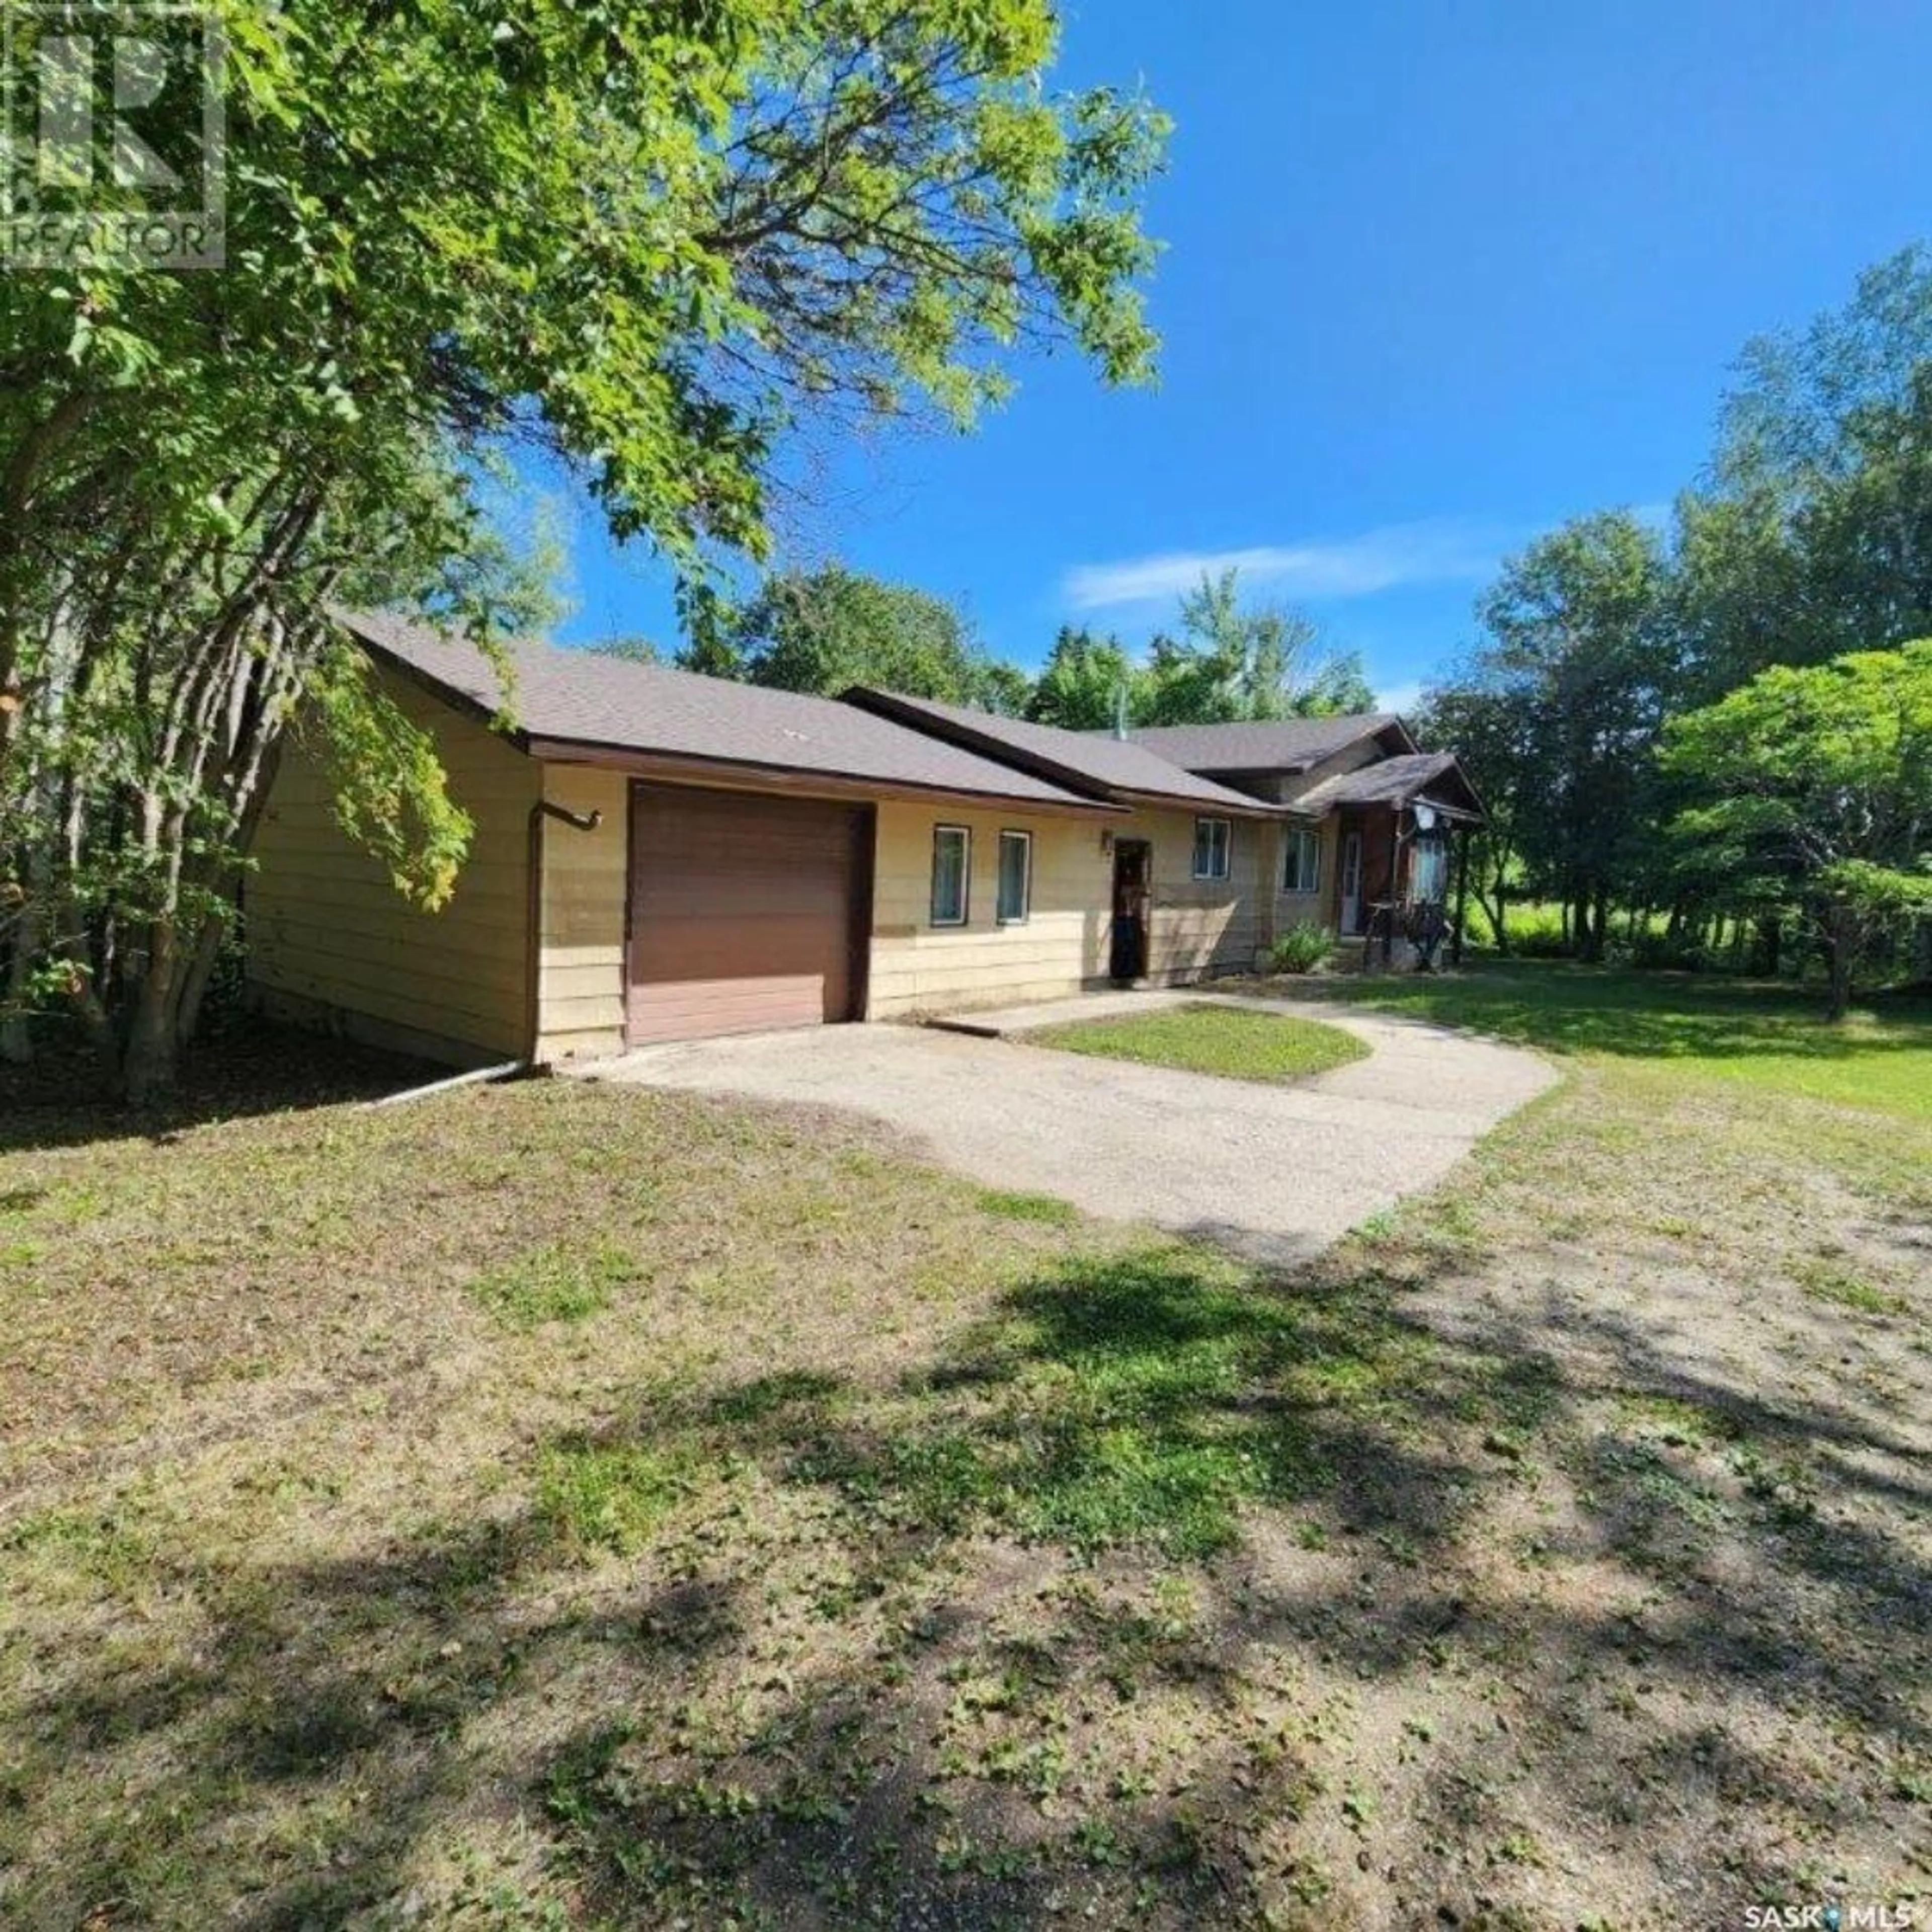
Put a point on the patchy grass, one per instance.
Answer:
(560, 1281)
(1015, 1204)
(1205, 1038)
(688, 1513)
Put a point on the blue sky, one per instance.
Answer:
(1437, 276)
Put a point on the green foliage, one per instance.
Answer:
(1579, 666)
(1305, 947)
(1809, 791)
(1086, 678)
(833, 628)
(1230, 661)
(392, 795)
(658, 250)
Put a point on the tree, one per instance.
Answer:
(1813, 795)
(830, 629)
(1489, 731)
(1810, 541)
(1581, 652)
(652, 245)
(1081, 686)
(1235, 660)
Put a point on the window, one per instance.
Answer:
(951, 867)
(1211, 848)
(1428, 876)
(1301, 861)
(1015, 877)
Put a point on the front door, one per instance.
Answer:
(1133, 889)
(1351, 882)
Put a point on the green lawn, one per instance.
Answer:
(550, 1506)
(1765, 1035)
(1205, 1038)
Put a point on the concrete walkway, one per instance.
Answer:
(1276, 1173)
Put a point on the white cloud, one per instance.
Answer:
(1443, 550)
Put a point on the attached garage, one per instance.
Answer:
(748, 911)
(658, 856)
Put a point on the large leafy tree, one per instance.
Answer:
(1087, 678)
(655, 241)
(826, 630)
(1809, 539)
(1234, 659)
(1811, 795)
(1578, 671)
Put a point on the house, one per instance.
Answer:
(1369, 818)
(659, 855)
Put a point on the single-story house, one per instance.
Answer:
(659, 855)
(1369, 818)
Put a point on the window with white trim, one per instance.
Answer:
(1212, 838)
(1015, 899)
(1301, 860)
(951, 873)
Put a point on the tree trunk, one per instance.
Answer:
(1599, 930)
(1841, 950)
(151, 1055)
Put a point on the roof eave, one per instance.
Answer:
(644, 762)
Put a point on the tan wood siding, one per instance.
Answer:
(1197, 926)
(330, 940)
(918, 967)
(580, 971)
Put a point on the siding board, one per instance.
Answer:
(330, 938)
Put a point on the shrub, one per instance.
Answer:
(1303, 948)
(1657, 951)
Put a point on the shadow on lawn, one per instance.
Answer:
(1599, 1010)
(65, 1098)
(873, 1657)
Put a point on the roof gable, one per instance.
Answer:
(1281, 745)
(1434, 777)
(1098, 763)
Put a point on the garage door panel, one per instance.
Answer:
(742, 912)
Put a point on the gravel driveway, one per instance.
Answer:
(1276, 1173)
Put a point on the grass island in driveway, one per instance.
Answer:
(561, 1504)
(1211, 1039)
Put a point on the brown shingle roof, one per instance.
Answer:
(581, 698)
(1111, 767)
(1393, 781)
(1279, 745)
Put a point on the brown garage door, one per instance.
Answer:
(745, 912)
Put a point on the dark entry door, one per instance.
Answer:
(1133, 892)
(747, 912)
